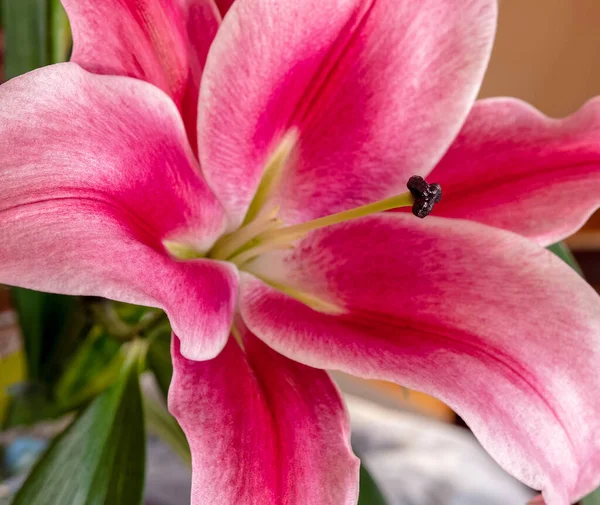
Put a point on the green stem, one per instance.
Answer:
(106, 315)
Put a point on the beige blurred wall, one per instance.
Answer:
(547, 52)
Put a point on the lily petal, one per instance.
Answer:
(163, 42)
(224, 5)
(376, 90)
(514, 168)
(485, 320)
(262, 429)
(95, 173)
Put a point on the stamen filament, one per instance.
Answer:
(281, 238)
(312, 301)
(228, 245)
(299, 230)
(247, 255)
(237, 335)
(181, 251)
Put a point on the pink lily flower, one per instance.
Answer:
(254, 216)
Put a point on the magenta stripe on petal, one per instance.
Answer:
(377, 90)
(263, 429)
(163, 42)
(514, 168)
(96, 172)
(494, 325)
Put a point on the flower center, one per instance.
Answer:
(263, 231)
(266, 232)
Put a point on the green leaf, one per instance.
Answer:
(93, 368)
(36, 34)
(369, 493)
(60, 33)
(132, 314)
(29, 404)
(165, 426)
(565, 254)
(100, 458)
(592, 499)
(26, 35)
(159, 357)
(50, 325)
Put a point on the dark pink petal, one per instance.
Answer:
(164, 42)
(224, 5)
(95, 173)
(262, 429)
(377, 90)
(516, 169)
(487, 321)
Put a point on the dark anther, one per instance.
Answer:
(425, 195)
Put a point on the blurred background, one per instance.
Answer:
(545, 53)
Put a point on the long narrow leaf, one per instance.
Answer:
(26, 35)
(159, 357)
(164, 425)
(94, 367)
(369, 491)
(100, 458)
(565, 254)
(48, 325)
(60, 33)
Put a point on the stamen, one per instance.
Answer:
(181, 251)
(228, 245)
(308, 299)
(279, 238)
(395, 202)
(425, 195)
(246, 255)
(265, 233)
(237, 335)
